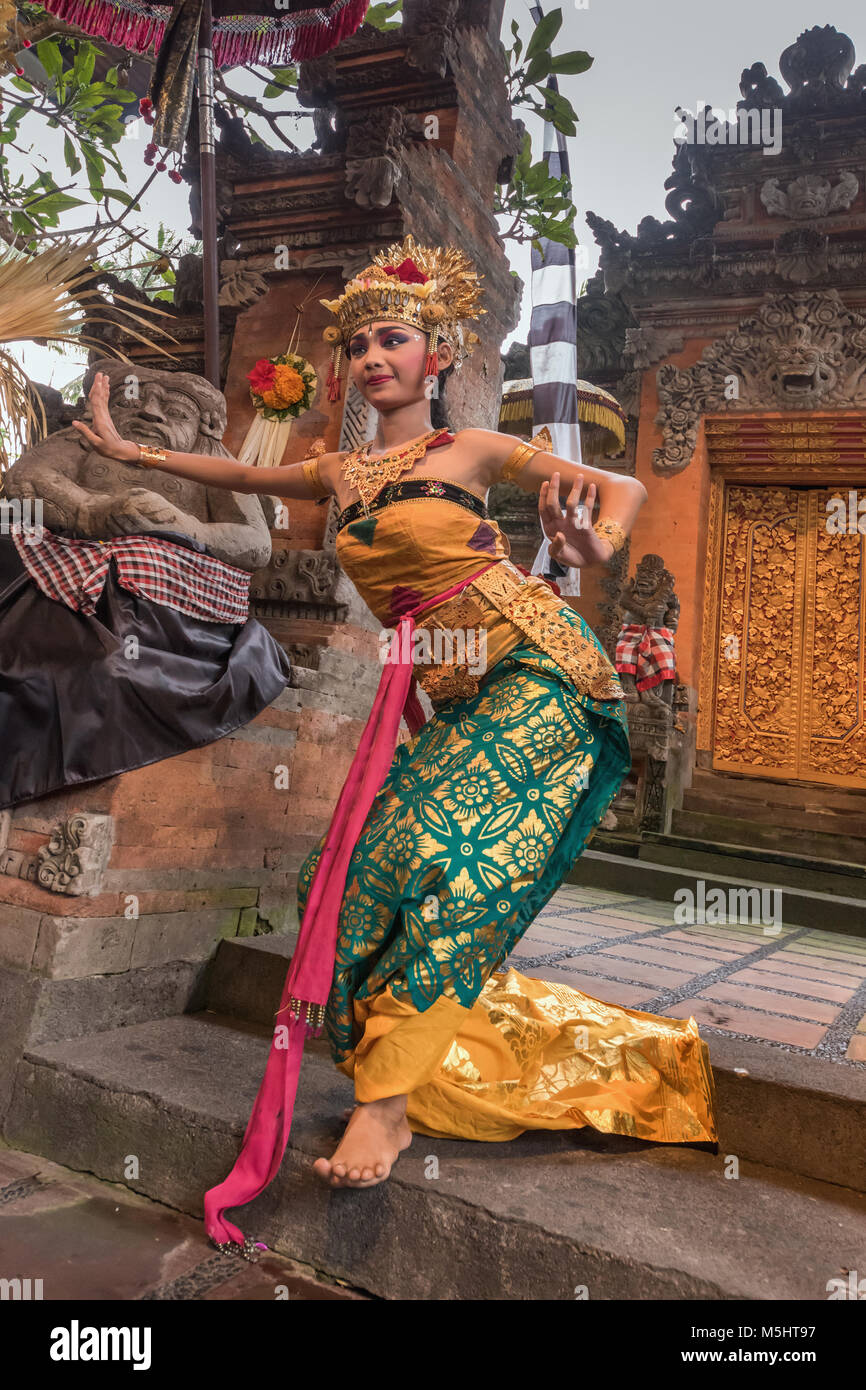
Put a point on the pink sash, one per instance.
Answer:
(308, 983)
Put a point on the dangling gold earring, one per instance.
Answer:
(333, 336)
(431, 366)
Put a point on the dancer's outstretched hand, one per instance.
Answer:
(103, 437)
(572, 540)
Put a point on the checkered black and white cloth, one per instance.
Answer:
(74, 572)
(647, 653)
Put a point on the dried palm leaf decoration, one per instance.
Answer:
(53, 295)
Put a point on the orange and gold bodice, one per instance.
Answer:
(424, 535)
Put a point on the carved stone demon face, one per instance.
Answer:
(808, 195)
(801, 372)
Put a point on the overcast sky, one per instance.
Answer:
(649, 58)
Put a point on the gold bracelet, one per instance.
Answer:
(150, 456)
(609, 530)
(311, 473)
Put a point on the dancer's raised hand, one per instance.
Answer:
(103, 437)
(572, 540)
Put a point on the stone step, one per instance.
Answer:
(627, 871)
(542, 1217)
(809, 795)
(827, 820)
(737, 831)
(786, 870)
(248, 976)
(245, 980)
(94, 1242)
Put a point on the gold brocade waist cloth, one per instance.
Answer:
(467, 635)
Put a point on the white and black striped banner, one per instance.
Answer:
(553, 335)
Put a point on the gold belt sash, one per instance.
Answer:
(528, 603)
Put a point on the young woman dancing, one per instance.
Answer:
(441, 853)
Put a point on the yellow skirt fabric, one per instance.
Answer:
(533, 1054)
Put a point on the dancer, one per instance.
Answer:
(441, 853)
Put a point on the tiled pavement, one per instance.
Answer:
(91, 1240)
(794, 987)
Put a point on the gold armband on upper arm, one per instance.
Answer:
(516, 462)
(540, 443)
(311, 473)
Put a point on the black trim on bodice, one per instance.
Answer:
(409, 489)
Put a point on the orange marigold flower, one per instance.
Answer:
(287, 387)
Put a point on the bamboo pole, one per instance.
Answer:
(207, 155)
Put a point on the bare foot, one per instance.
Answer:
(376, 1135)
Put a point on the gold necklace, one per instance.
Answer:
(368, 476)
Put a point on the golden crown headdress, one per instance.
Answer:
(434, 288)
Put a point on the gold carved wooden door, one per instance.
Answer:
(790, 689)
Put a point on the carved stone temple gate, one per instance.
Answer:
(735, 336)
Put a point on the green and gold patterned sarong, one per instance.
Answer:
(481, 815)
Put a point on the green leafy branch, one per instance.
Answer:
(89, 114)
(277, 82)
(155, 275)
(530, 69)
(386, 16)
(538, 204)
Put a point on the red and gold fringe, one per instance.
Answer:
(275, 42)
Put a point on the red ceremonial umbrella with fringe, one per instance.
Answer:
(190, 39)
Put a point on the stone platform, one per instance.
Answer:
(776, 1214)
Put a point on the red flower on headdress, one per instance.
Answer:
(261, 378)
(407, 271)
